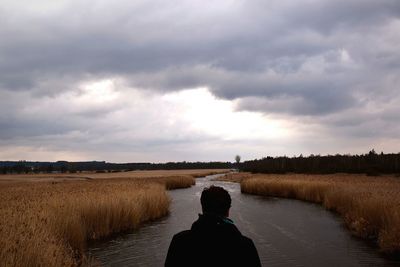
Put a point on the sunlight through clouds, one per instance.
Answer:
(98, 92)
(217, 117)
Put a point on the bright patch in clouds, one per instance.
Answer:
(202, 111)
(98, 92)
(344, 56)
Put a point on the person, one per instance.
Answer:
(213, 239)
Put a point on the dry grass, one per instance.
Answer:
(49, 223)
(57, 177)
(210, 172)
(235, 177)
(370, 206)
(173, 182)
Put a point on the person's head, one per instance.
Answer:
(216, 200)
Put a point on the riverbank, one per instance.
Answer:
(83, 176)
(49, 223)
(370, 206)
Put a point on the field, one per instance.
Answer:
(370, 206)
(59, 177)
(47, 220)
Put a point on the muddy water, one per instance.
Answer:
(285, 232)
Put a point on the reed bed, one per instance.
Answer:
(59, 177)
(50, 223)
(370, 206)
(209, 172)
(173, 182)
(235, 177)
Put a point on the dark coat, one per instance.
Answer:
(212, 241)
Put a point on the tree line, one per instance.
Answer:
(371, 163)
(19, 167)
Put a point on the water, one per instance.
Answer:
(286, 233)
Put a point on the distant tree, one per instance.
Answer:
(63, 169)
(370, 163)
(4, 170)
(237, 159)
(49, 168)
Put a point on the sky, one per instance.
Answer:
(159, 81)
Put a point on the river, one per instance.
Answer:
(286, 232)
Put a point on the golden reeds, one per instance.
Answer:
(57, 177)
(49, 224)
(172, 182)
(235, 177)
(370, 206)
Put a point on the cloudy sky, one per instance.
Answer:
(129, 81)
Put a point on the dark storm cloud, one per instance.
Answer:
(252, 37)
(333, 61)
(328, 16)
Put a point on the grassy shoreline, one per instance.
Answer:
(370, 206)
(84, 176)
(50, 223)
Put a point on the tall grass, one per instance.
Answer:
(49, 224)
(57, 177)
(370, 206)
(173, 182)
(235, 177)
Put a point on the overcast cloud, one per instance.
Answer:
(191, 80)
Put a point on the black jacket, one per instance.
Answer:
(212, 241)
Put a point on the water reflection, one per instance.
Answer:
(285, 232)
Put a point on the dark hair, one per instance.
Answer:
(215, 199)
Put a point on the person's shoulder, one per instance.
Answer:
(179, 250)
(247, 240)
(184, 235)
(182, 241)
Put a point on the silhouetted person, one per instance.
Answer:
(213, 239)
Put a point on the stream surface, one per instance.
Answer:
(286, 232)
